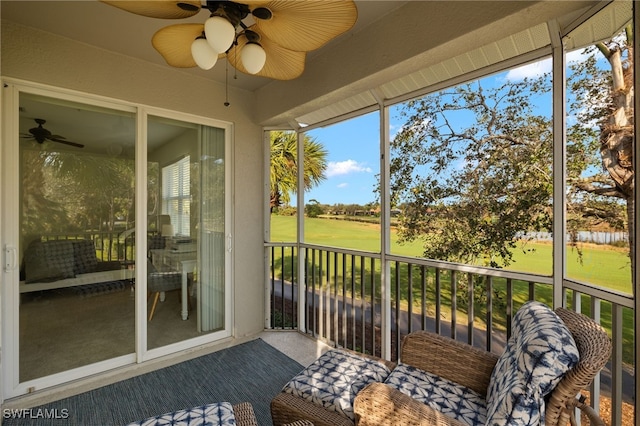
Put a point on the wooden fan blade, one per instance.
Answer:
(166, 9)
(281, 63)
(174, 43)
(307, 25)
(257, 3)
(77, 145)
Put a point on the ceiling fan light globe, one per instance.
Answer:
(253, 57)
(220, 33)
(204, 56)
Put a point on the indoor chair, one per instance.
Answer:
(161, 281)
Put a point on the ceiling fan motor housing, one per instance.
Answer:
(40, 134)
(234, 12)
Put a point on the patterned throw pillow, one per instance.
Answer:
(445, 396)
(539, 353)
(49, 261)
(334, 380)
(217, 414)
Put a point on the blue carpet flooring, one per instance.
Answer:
(254, 372)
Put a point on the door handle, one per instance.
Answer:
(10, 258)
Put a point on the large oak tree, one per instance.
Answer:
(472, 165)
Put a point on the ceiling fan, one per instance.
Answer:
(40, 135)
(268, 38)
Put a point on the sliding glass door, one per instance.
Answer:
(115, 232)
(76, 192)
(186, 203)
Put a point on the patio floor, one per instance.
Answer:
(253, 371)
(295, 345)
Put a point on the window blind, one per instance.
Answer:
(176, 195)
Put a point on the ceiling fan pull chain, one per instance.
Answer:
(226, 83)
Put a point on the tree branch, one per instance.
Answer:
(607, 191)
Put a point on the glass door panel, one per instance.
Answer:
(76, 192)
(186, 256)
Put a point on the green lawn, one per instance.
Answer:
(601, 265)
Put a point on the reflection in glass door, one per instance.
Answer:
(76, 192)
(73, 299)
(186, 224)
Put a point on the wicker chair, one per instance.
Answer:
(379, 404)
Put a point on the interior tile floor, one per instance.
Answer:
(61, 330)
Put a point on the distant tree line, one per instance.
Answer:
(314, 209)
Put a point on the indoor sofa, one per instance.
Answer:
(66, 263)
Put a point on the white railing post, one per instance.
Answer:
(268, 260)
(385, 233)
(559, 162)
(302, 305)
(594, 389)
(616, 367)
(302, 290)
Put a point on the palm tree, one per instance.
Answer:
(284, 165)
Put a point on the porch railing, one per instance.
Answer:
(110, 245)
(339, 302)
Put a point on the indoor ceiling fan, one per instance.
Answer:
(260, 37)
(40, 135)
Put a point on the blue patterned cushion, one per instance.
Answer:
(334, 380)
(539, 353)
(217, 414)
(445, 396)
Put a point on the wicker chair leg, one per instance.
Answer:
(594, 418)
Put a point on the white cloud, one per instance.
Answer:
(342, 185)
(345, 167)
(535, 69)
(576, 56)
(394, 129)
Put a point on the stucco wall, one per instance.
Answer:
(35, 56)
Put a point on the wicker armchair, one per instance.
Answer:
(379, 404)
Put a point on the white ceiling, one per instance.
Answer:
(116, 30)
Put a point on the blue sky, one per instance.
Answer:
(353, 161)
(353, 148)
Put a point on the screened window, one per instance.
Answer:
(176, 195)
